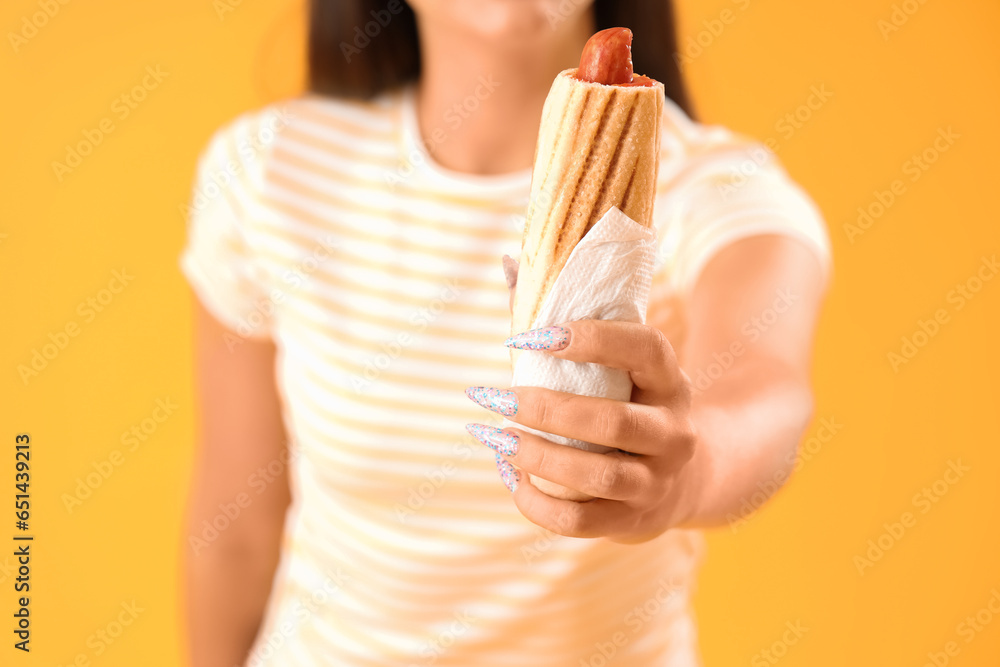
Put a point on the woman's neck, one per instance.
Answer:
(479, 104)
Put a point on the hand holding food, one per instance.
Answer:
(638, 492)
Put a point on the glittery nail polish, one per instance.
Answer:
(549, 338)
(508, 473)
(496, 439)
(502, 401)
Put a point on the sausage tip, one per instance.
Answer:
(607, 57)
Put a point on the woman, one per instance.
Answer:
(344, 247)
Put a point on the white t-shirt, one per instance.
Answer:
(326, 226)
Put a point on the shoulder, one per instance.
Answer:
(715, 165)
(694, 151)
(238, 149)
(716, 186)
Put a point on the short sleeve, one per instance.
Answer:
(219, 260)
(731, 193)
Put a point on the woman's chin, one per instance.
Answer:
(504, 20)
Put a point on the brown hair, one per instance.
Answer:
(360, 48)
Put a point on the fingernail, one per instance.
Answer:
(502, 401)
(549, 338)
(498, 440)
(508, 473)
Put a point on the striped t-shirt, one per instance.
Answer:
(327, 227)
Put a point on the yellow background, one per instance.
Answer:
(792, 562)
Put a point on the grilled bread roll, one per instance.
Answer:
(598, 147)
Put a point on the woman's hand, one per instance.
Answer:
(639, 492)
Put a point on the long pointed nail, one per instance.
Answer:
(549, 338)
(508, 473)
(498, 440)
(501, 401)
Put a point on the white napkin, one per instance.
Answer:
(607, 277)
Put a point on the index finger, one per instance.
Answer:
(640, 349)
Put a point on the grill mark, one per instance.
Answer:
(532, 204)
(587, 162)
(628, 189)
(605, 119)
(555, 196)
(615, 159)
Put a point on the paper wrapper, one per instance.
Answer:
(607, 277)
